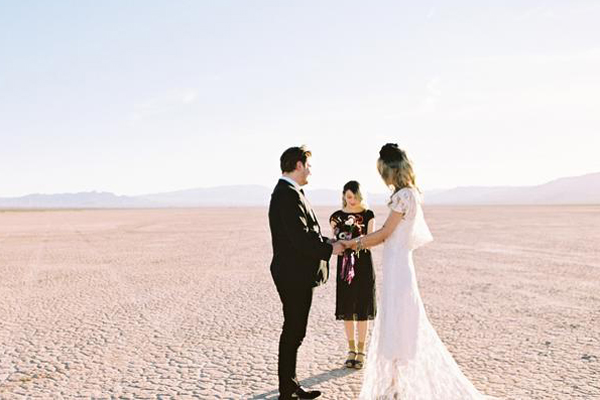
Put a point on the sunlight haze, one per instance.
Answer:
(146, 97)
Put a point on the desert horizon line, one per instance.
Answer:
(258, 185)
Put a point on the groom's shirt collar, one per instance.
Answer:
(293, 182)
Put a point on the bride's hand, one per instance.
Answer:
(349, 244)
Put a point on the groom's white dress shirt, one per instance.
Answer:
(293, 182)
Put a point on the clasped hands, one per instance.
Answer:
(340, 245)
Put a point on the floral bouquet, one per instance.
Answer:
(349, 257)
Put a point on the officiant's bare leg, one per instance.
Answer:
(349, 326)
(363, 327)
(362, 338)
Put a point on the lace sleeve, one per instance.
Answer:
(403, 201)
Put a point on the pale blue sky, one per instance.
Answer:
(148, 96)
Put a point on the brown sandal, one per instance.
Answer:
(360, 360)
(351, 359)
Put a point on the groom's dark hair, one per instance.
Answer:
(291, 156)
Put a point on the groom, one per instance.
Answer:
(300, 263)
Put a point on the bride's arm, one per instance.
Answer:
(370, 228)
(379, 236)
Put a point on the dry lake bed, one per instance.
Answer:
(179, 303)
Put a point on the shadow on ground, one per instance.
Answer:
(314, 380)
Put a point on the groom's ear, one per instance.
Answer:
(299, 165)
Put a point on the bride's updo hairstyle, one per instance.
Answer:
(395, 168)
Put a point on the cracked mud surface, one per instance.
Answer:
(159, 304)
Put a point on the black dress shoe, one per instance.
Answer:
(301, 394)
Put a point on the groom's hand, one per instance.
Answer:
(338, 248)
(348, 244)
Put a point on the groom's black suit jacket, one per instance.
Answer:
(300, 254)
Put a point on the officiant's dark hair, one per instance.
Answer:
(354, 187)
(291, 156)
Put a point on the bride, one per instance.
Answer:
(407, 359)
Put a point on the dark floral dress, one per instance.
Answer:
(355, 278)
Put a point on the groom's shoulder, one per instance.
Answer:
(282, 185)
(284, 190)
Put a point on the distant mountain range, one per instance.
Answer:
(583, 189)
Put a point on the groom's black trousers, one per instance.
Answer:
(296, 306)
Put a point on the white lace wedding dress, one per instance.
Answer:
(406, 358)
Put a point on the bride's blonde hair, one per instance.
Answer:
(395, 168)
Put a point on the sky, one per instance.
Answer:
(152, 96)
